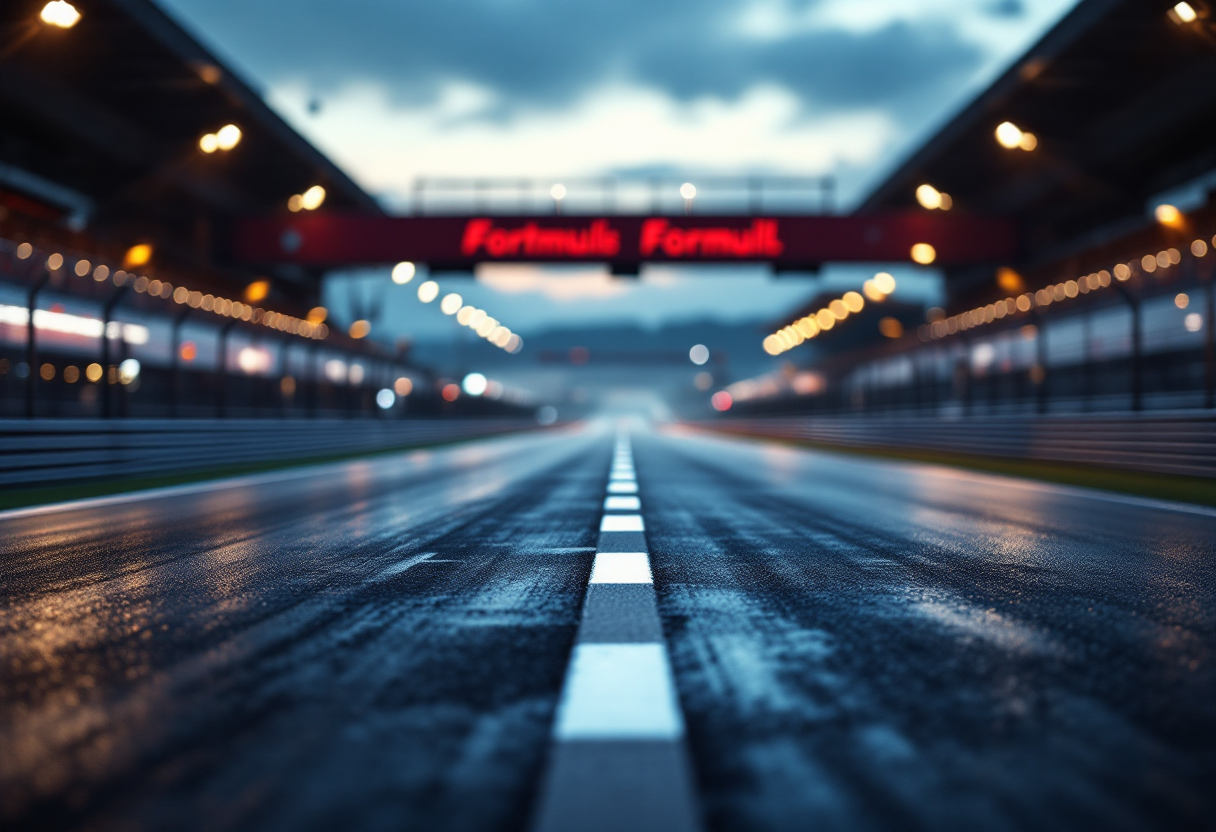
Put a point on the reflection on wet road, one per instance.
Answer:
(382, 644)
(867, 645)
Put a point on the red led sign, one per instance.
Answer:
(326, 240)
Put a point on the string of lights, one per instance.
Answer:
(140, 255)
(811, 326)
(1067, 290)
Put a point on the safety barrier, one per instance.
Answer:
(42, 452)
(1166, 442)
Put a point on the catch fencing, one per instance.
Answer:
(1164, 442)
(45, 452)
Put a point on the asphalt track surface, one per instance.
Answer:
(385, 644)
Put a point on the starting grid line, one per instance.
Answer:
(618, 759)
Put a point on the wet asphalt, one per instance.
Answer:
(381, 644)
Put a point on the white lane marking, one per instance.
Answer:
(622, 523)
(619, 692)
(620, 487)
(622, 504)
(621, 477)
(401, 566)
(621, 568)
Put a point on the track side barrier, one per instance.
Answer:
(1163, 442)
(44, 452)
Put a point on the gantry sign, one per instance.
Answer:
(624, 242)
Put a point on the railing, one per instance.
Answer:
(1170, 442)
(42, 452)
(747, 195)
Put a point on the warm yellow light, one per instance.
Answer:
(65, 16)
(258, 290)
(825, 319)
(295, 203)
(884, 283)
(1169, 215)
(807, 326)
(317, 315)
(1009, 135)
(451, 303)
(929, 197)
(688, 190)
(228, 136)
(311, 199)
(403, 386)
(477, 318)
(1185, 13)
(360, 329)
(465, 315)
(1028, 141)
(55, 262)
(771, 346)
(487, 326)
(428, 291)
(946, 202)
(891, 328)
(853, 301)
(137, 255)
(93, 372)
(1182, 300)
(872, 291)
(404, 272)
(923, 253)
(1199, 248)
(1122, 272)
(1009, 280)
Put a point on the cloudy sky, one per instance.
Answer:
(559, 88)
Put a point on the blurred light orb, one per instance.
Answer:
(128, 371)
(884, 282)
(688, 190)
(403, 386)
(385, 399)
(1184, 13)
(428, 291)
(474, 384)
(228, 137)
(1008, 135)
(404, 272)
(465, 315)
(721, 401)
(1169, 215)
(546, 415)
(929, 197)
(699, 354)
(451, 303)
(1193, 322)
(923, 253)
(312, 199)
(450, 392)
(61, 14)
(558, 191)
(703, 380)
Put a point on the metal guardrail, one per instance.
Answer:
(1164, 442)
(45, 452)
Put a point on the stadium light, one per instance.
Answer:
(1183, 13)
(62, 14)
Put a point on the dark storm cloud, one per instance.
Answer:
(540, 53)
